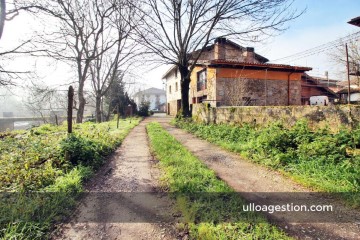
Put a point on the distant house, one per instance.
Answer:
(155, 96)
(317, 86)
(354, 95)
(354, 90)
(228, 74)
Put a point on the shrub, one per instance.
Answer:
(79, 150)
(144, 109)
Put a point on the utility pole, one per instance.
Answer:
(348, 71)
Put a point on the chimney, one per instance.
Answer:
(220, 50)
(250, 55)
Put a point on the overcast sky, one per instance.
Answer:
(323, 21)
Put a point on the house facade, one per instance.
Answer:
(228, 74)
(155, 96)
(173, 92)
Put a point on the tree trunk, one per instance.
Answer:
(108, 112)
(2, 16)
(185, 86)
(98, 108)
(82, 102)
(102, 113)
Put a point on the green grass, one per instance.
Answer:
(42, 172)
(323, 160)
(209, 207)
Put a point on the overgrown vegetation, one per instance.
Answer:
(324, 160)
(210, 209)
(42, 172)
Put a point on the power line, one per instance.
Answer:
(319, 49)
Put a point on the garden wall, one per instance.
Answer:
(317, 116)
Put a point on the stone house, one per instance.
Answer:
(228, 74)
(155, 96)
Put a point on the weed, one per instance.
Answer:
(38, 184)
(323, 160)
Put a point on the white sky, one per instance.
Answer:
(305, 32)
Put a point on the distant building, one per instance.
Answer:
(155, 96)
(354, 95)
(317, 86)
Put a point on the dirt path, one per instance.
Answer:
(246, 177)
(123, 201)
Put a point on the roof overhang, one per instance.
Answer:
(355, 21)
(257, 66)
(168, 71)
(319, 86)
(346, 90)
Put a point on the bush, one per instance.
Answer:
(144, 109)
(79, 150)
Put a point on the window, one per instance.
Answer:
(201, 80)
(170, 89)
(176, 87)
(176, 73)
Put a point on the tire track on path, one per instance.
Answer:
(122, 200)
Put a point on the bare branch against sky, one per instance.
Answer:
(338, 56)
(173, 29)
(8, 76)
(109, 66)
(79, 33)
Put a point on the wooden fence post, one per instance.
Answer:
(70, 108)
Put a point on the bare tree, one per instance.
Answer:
(174, 29)
(8, 76)
(78, 34)
(338, 56)
(43, 101)
(2, 16)
(112, 64)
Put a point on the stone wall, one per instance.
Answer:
(317, 116)
(231, 92)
